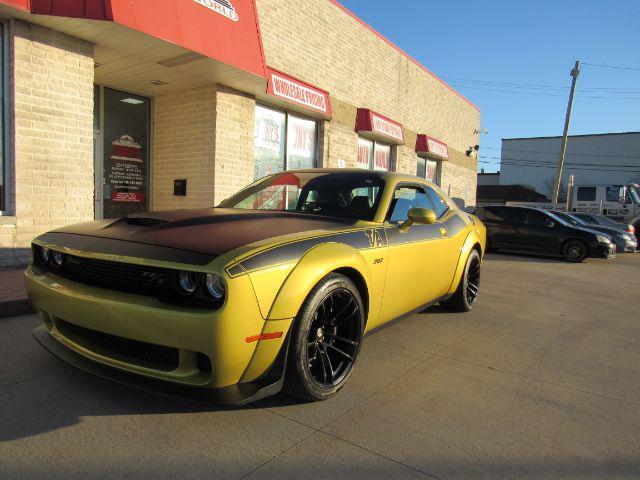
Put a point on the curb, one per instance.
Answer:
(16, 307)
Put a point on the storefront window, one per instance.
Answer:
(3, 187)
(283, 142)
(126, 154)
(373, 155)
(429, 169)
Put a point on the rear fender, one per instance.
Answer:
(472, 239)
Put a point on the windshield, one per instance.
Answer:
(350, 195)
(606, 221)
(569, 219)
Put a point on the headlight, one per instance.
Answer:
(214, 285)
(602, 239)
(57, 258)
(188, 281)
(43, 255)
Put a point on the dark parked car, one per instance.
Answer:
(537, 231)
(625, 242)
(595, 219)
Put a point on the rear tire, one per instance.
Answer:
(326, 340)
(575, 251)
(467, 291)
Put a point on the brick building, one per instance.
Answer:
(118, 106)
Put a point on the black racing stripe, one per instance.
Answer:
(235, 270)
(420, 233)
(360, 240)
(108, 246)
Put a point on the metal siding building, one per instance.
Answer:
(601, 159)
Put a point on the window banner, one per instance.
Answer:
(382, 157)
(364, 153)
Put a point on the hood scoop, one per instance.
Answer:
(145, 222)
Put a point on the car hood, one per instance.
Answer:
(212, 231)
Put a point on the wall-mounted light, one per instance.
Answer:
(479, 131)
(473, 151)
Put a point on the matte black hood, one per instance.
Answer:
(212, 231)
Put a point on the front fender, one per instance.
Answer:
(312, 267)
(475, 237)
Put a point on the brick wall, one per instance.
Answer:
(184, 147)
(51, 75)
(318, 42)
(235, 115)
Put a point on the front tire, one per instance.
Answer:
(467, 291)
(326, 340)
(575, 251)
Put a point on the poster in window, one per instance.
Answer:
(432, 171)
(301, 143)
(269, 143)
(365, 151)
(382, 159)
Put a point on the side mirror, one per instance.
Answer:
(421, 216)
(623, 195)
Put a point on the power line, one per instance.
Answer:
(568, 154)
(617, 67)
(534, 86)
(546, 94)
(526, 162)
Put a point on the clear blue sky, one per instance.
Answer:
(518, 42)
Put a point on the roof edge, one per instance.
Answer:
(573, 136)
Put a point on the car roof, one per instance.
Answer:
(389, 176)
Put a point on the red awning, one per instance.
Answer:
(431, 147)
(299, 94)
(379, 127)
(225, 30)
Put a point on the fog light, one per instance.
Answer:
(215, 286)
(57, 258)
(188, 281)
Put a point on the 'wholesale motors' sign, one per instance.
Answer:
(298, 92)
(379, 127)
(385, 127)
(431, 147)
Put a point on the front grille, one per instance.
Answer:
(139, 353)
(125, 277)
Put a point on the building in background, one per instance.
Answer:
(113, 107)
(492, 178)
(599, 159)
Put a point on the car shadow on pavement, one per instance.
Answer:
(63, 397)
(523, 258)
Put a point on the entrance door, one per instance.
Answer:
(122, 154)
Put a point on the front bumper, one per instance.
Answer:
(605, 250)
(237, 370)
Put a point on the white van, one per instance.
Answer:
(618, 202)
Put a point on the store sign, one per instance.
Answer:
(223, 7)
(431, 147)
(379, 127)
(300, 93)
(385, 127)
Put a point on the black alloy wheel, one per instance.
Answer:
(467, 292)
(575, 251)
(326, 340)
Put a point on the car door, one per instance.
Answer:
(418, 260)
(537, 232)
(500, 228)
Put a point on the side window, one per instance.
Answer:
(586, 194)
(438, 205)
(404, 199)
(536, 219)
(613, 194)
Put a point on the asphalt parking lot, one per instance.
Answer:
(541, 380)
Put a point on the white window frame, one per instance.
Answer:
(287, 113)
(372, 157)
(438, 180)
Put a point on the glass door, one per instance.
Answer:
(121, 143)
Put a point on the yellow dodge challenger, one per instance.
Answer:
(273, 289)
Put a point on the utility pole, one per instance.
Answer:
(563, 151)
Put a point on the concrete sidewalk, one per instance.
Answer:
(13, 293)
